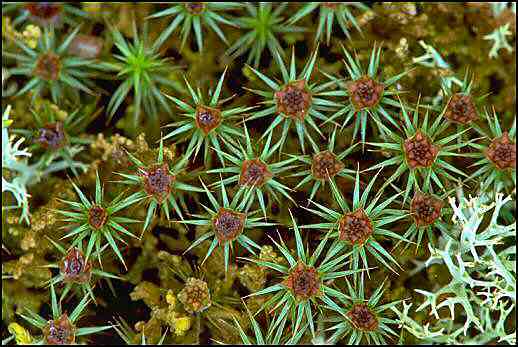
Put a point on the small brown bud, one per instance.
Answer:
(52, 136)
(44, 13)
(228, 224)
(419, 151)
(74, 268)
(60, 331)
(195, 296)
(254, 173)
(293, 101)
(355, 227)
(365, 92)
(461, 109)
(362, 318)
(325, 165)
(502, 152)
(425, 209)
(48, 67)
(195, 7)
(97, 217)
(157, 181)
(303, 281)
(208, 118)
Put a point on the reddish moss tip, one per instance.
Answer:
(158, 181)
(60, 331)
(48, 67)
(97, 217)
(362, 318)
(74, 268)
(502, 152)
(254, 173)
(425, 209)
(45, 12)
(293, 100)
(303, 281)
(52, 136)
(228, 224)
(355, 227)
(208, 118)
(365, 92)
(461, 109)
(325, 165)
(419, 151)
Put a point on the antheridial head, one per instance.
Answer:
(425, 209)
(158, 181)
(331, 5)
(195, 7)
(97, 217)
(48, 66)
(461, 109)
(208, 118)
(45, 12)
(355, 227)
(325, 165)
(74, 267)
(502, 152)
(293, 100)
(52, 136)
(195, 296)
(254, 173)
(60, 331)
(228, 224)
(365, 92)
(303, 281)
(419, 151)
(362, 318)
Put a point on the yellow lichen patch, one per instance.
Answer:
(22, 336)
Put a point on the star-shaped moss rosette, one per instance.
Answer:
(359, 226)
(142, 70)
(264, 24)
(207, 123)
(250, 169)
(55, 138)
(50, 68)
(425, 213)
(422, 151)
(198, 15)
(45, 13)
(363, 319)
(96, 220)
(61, 328)
(76, 272)
(368, 95)
(323, 166)
(294, 100)
(305, 288)
(159, 184)
(227, 222)
(496, 156)
(328, 13)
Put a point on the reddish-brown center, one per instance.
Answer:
(419, 151)
(502, 152)
(303, 281)
(355, 227)
(74, 268)
(425, 209)
(362, 318)
(365, 92)
(45, 11)
(195, 7)
(48, 67)
(228, 224)
(254, 173)
(460, 109)
(60, 331)
(97, 217)
(158, 181)
(325, 165)
(208, 118)
(293, 100)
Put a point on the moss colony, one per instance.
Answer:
(258, 173)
